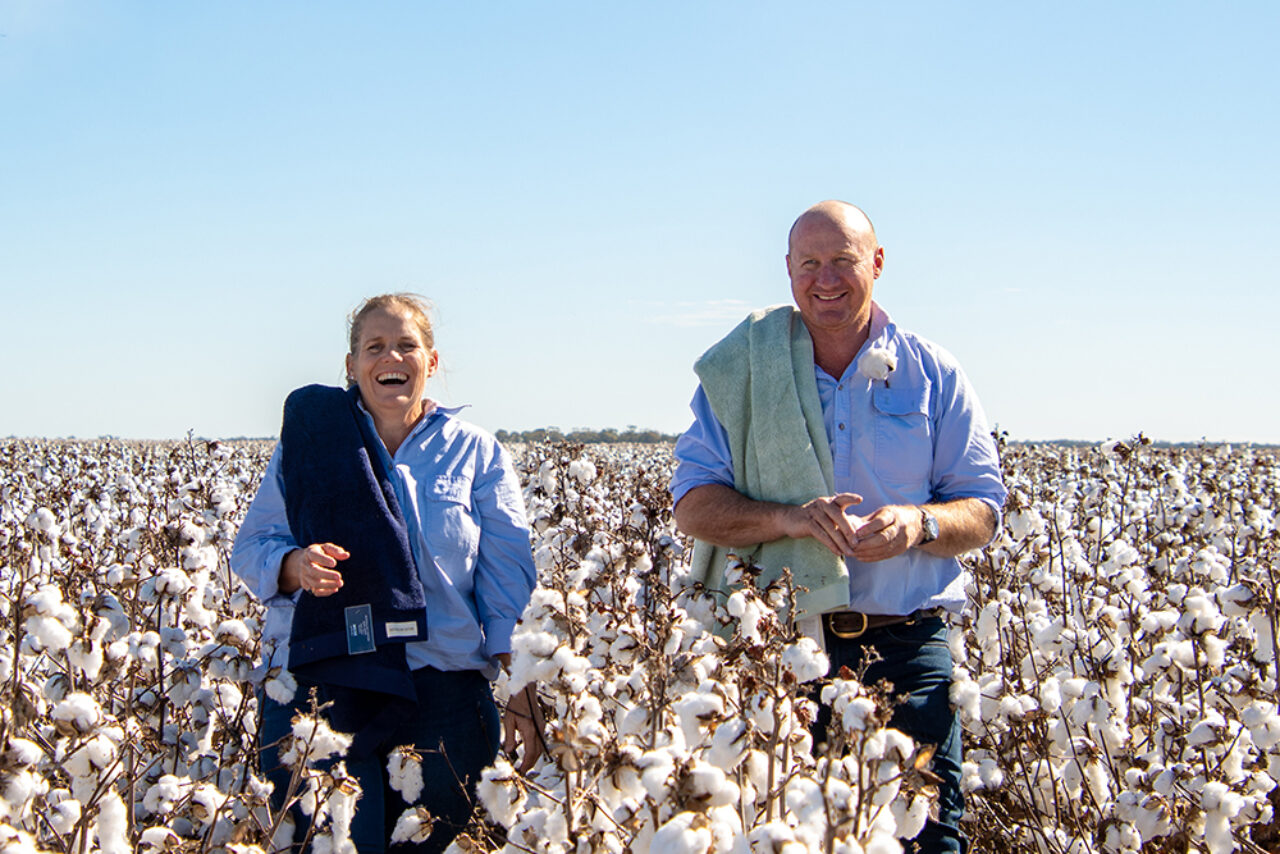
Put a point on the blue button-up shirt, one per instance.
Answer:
(920, 437)
(461, 498)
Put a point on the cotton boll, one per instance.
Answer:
(77, 714)
(64, 815)
(113, 825)
(158, 839)
(280, 685)
(728, 744)
(404, 768)
(164, 794)
(805, 660)
(501, 792)
(413, 826)
(696, 709)
(877, 363)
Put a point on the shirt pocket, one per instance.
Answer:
(449, 525)
(904, 437)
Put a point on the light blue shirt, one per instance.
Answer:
(921, 437)
(461, 498)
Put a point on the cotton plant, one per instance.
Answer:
(1115, 668)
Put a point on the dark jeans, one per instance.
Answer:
(917, 660)
(456, 730)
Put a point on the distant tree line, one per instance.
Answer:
(609, 435)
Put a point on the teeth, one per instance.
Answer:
(392, 376)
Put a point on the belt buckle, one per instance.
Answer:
(831, 624)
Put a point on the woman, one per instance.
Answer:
(396, 533)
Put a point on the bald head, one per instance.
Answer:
(849, 217)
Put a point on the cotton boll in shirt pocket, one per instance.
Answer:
(904, 438)
(448, 523)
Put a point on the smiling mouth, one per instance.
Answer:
(392, 378)
(827, 298)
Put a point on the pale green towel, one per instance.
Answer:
(760, 384)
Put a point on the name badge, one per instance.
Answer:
(359, 629)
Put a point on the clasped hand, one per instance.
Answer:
(886, 533)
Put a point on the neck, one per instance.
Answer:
(833, 352)
(393, 430)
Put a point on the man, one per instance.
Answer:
(906, 448)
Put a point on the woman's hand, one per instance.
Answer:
(311, 569)
(523, 717)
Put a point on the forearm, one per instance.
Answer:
(720, 514)
(964, 524)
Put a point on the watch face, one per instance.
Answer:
(930, 527)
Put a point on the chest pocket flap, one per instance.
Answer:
(901, 400)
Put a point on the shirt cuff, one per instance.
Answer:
(497, 636)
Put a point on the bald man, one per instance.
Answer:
(872, 519)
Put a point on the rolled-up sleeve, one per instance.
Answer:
(966, 463)
(504, 574)
(702, 452)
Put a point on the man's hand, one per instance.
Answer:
(311, 569)
(826, 521)
(523, 717)
(888, 532)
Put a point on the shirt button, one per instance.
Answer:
(841, 425)
(840, 387)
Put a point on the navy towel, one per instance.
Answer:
(337, 490)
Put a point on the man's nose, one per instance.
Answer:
(827, 274)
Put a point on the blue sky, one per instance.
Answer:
(1078, 200)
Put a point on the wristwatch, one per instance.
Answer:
(929, 525)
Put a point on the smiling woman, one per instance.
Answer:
(389, 542)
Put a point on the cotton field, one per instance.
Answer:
(1115, 669)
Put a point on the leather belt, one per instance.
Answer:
(848, 625)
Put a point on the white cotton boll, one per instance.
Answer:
(233, 632)
(88, 658)
(172, 582)
(1234, 601)
(324, 742)
(64, 815)
(877, 363)
(1263, 722)
(695, 710)
(77, 714)
(280, 685)
(709, 785)
(1208, 730)
(48, 633)
(547, 477)
(775, 837)
(1156, 622)
(728, 744)
(17, 788)
(583, 470)
(1201, 614)
(909, 815)
(500, 791)
(164, 794)
(1220, 806)
(42, 520)
(966, 695)
(805, 659)
(413, 826)
(21, 751)
(682, 834)
(657, 767)
(157, 839)
(404, 768)
(206, 801)
(113, 825)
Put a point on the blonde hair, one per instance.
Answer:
(418, 308)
